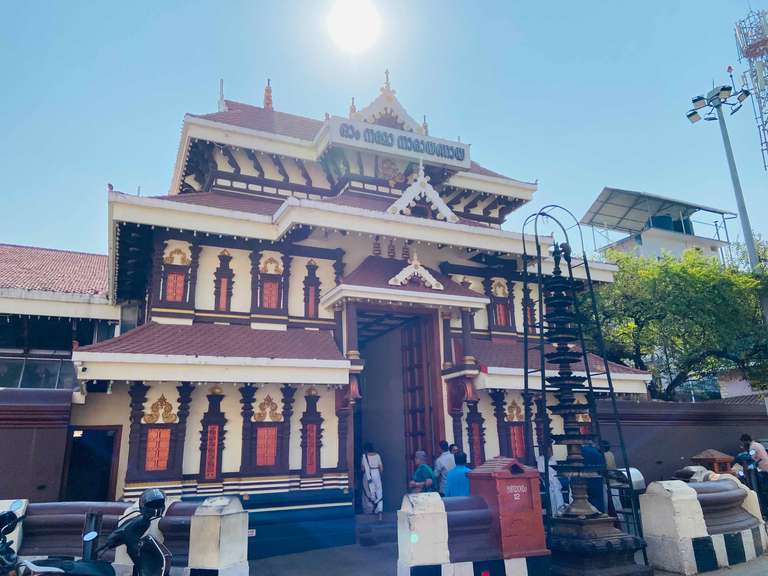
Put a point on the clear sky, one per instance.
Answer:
(576, 95)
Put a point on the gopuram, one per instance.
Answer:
(306, 286)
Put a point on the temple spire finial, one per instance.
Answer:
(268, 95)
(386, 79)
(222, 102)
(352, 108)
(425, 126)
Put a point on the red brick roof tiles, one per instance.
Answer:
(221, 341)
(49, 270)
(376, 272)
(507, 352)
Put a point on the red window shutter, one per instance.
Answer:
(517, 439)
(222, 302)
(311, 302)
(158, 449)
(211, 452)
(311, 467)
(174, 287)
(266, 446)
(502, 317)
(270, 294)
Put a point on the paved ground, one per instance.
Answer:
(354, 560)
(381, 560)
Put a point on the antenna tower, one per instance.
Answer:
(752, 46)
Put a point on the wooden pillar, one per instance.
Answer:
(456, 394)
(138, 395)
(488, 289)
(287, 259)
(475, 433)
(343, 410)
(255, 257)
(288, 393)
(447, 341)
(157, 268)
(179, 435)
(212, 439)
(511, 307)
(499, 401)
(466, 336)
(352, 345)
(195, 261)
(247, 397)
(311, 436)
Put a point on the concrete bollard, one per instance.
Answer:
(422, 532)
(218, 538)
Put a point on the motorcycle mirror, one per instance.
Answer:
(16, 505)
(89, 536)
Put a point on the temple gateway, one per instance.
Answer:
(307, 286)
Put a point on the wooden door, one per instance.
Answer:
(417, 385)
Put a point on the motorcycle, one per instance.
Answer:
(149, 556)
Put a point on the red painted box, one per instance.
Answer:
(512, 493)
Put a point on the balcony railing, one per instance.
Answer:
(50, 373)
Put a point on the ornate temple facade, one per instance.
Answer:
(307, 286)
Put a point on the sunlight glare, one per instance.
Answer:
(354, 25)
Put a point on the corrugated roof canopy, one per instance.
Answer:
(629, 211)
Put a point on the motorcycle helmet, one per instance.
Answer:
(152, 503)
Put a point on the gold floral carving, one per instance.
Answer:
(177, 256)
(514, 412)
(271, 266)
(499, 288)
(268, 406)
(160, 410)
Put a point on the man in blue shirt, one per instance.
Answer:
(456, 482)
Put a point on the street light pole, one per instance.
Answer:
(746, 227)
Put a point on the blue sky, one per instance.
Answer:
(576, 95)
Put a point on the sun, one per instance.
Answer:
(354, 25)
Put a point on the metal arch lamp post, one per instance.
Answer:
(715, 100)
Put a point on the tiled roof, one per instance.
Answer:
(300, 127)
(257, 118)
(221, 341)
(45, 269)
(376, 272)
(507, 352)
(240, 202)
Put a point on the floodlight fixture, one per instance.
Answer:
(699, 102)
(742, 95)
(735, 109)
(693, 116)
(725, 92)
(710, 117)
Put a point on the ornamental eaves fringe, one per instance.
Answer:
(414, 269)
(419, 188)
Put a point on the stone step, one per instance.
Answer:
(371, 531)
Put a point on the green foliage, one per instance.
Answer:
(682, 318)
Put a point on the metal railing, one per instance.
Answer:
(42, 373)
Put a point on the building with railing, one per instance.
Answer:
(651, 225)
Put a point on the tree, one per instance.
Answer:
(686, 317)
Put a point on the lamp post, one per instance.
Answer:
(715, 100)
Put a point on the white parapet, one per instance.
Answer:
(422, 532)
(218, 537)
(672, 517)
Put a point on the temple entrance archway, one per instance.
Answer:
(401, 409)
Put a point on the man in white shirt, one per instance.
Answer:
(443, 464)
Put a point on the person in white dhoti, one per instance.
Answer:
(373, 493)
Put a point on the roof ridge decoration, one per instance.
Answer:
(386, 105)
(414, 269)
(421, 187)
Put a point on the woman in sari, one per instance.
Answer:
(373, 494)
